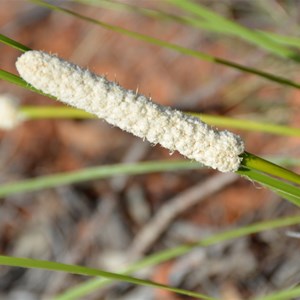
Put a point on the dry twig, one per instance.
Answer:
(173, 208)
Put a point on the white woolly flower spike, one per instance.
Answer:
(10, 115)
(130, 111)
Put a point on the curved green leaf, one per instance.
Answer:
(93, 173)
(289, 294)
(8, 41)
(254, 162)
(171, 46)
(224, 25)
(92, 285)
(79, 270)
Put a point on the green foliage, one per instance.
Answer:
(94, 173)
(174, 47)
(280, 180)
(282, 295)
(79, 270)
(225, 26)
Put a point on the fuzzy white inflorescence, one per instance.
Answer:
(130, 111)
(10, 115)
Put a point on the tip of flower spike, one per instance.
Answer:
(9, 112)
(28, 64)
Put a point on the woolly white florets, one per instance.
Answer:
(130, 111)
(10, 116)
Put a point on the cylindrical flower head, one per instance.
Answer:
(130, 111)
(10, 115)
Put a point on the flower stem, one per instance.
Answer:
(252, 161)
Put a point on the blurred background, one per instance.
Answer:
(111, 222)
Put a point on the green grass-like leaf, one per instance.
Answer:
(254, 162)
(92, 285)
(288, 294)
(79, 270)
(286, 190)
(57, 112)
(93, 173)
(226, 26)
(8, 41)
(248, 125)
(177, 48)
(196, 22)
(283, 39)
(12, 78)
(272, 176)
